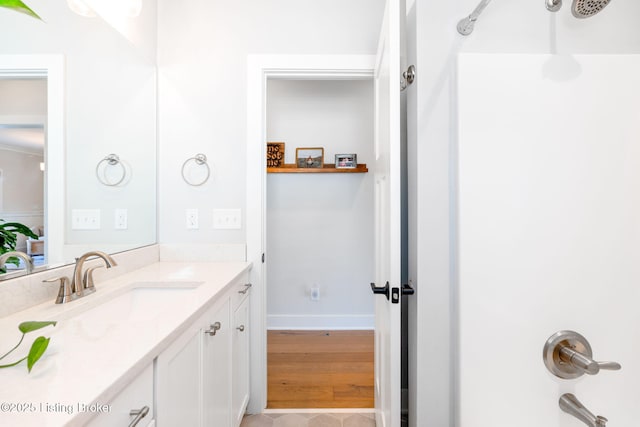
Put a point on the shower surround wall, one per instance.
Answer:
(516, 26)
(549, 226)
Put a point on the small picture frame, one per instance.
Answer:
(346, 161)
(275, 154)
(310, 157)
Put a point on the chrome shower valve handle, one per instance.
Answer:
(568, 355)
(589, 366)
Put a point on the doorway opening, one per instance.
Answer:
(23, 115)
(320, 246)
(260, 70)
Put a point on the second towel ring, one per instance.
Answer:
(199, 159)
(111, 160)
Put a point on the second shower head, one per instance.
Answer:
(579, 8)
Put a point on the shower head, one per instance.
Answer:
(580, 8)
(587, 8)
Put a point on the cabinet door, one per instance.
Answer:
(136, 396)
(240, 362)
(216, 362)
(179, 380)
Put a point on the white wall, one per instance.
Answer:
(549, 220)
(110, 107)
(320, 226)
(22, 182)
(202, 90)
(517, 26)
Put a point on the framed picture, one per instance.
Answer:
(346, 161)
(275, 154)
(310, 157)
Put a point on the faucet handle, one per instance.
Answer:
(568, 355)
(65, 294)
(586, 363)
(87, 280)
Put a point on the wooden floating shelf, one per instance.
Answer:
(292, 168)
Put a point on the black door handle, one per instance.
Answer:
(408, 290)
(384, 290)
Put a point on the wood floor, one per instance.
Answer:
(320, 369)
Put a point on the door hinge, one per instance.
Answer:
(263, 257)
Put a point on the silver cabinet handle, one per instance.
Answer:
(213, 328)
(139, 415)
(240, 328)
(246, 288)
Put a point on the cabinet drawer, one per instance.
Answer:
(137, 395)
(240, 290)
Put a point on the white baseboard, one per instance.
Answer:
(320, 322)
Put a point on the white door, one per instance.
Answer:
(387, 216)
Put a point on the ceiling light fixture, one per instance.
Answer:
(81, 8)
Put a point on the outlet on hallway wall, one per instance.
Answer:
(315, 293)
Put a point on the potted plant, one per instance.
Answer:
(19, 6)
(9, 239)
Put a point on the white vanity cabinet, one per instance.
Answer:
(193, 374)
(202, 378)
(240, 354)
(216, 374)
(137, 396)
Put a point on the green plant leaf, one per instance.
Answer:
(9, 233)
(16, 227)
(26, 327)
(19, 6)
(38, 348)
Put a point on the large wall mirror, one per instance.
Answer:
(74, 91)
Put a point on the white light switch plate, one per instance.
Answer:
(85, 219)
(227, 219)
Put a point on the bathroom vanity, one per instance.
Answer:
(169, 341)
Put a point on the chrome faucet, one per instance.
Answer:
(572, 406)
(82, 286)
(28, 262)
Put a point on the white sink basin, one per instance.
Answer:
(139, 301)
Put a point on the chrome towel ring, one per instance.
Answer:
(199, 160)
(104, 164)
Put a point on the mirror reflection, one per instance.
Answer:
(23, 109)
(99, 79)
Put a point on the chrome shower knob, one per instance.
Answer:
(553, 5)
(568, 355)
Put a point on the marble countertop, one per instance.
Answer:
(88, 365)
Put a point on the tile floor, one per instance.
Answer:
(310, 420)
